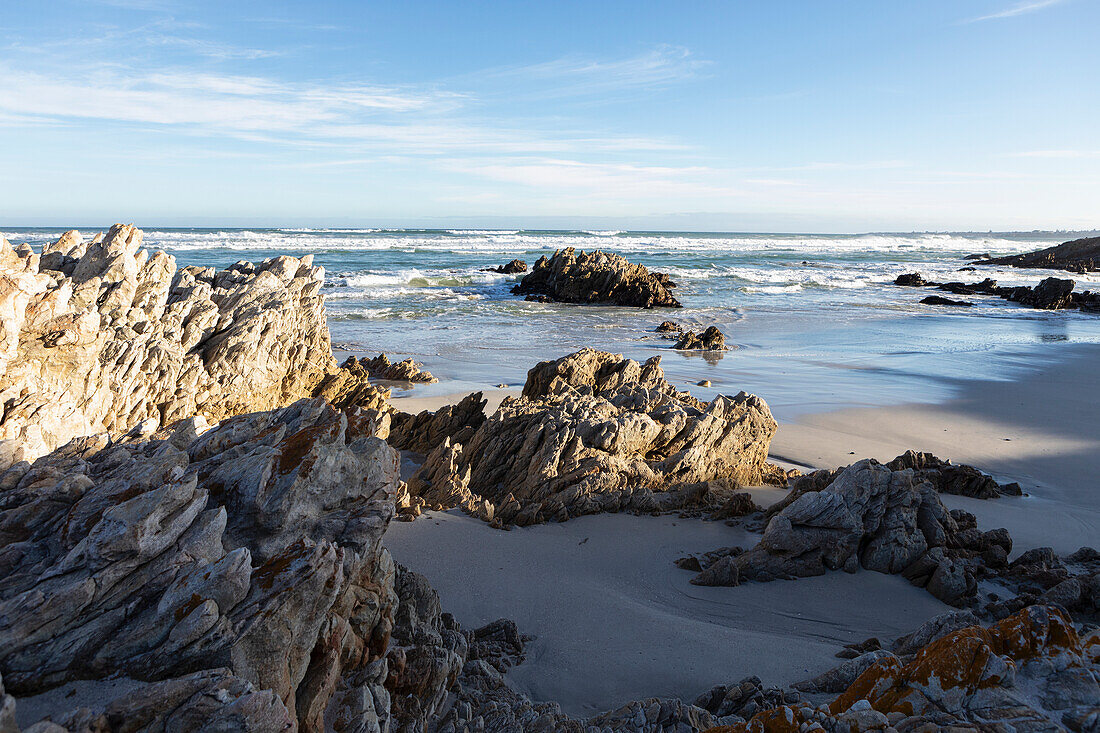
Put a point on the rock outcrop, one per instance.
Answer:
(425, 431)
(101, 336)
(940, 300)
(596, 277)
(889, 518)
(1079, 255)
(250, 553)
(594, 432)
(1029, 672)
(380, 367)
(1050, 294)
(710, 339)
(514, 267)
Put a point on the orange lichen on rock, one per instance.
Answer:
(949, 675)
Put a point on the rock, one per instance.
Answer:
(668, 327)
(839, 678)
(594, 432)
(116, 337)
(380, 367)
(426, 430)
(512, 268)
(972, 678)
(709, 340)
(983, 256)
(938, 300)
(1079, 255)
(256, 547)
(1051, 294)
(865, 515)
(949, 478)
(596, 277)
(703, 383)
(738, 505)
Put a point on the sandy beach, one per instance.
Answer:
(615, 619)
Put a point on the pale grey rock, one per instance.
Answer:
(865, 515)
(840, 677)
(257, 550)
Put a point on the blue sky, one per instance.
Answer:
(761, 116)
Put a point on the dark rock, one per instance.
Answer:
(668, 327)
(512, 268)
(911, 280)
(940, 300)
(596, 277)
(1079, 255)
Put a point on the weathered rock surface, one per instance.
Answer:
(426, 430)
(380, 367)
(889, 518)
(1029, 672)
(595, 432)
(596, 277)
(668, 327)
(710, 339)
(101, 336)
(1079, 255)
(251, 552)
(512, 268)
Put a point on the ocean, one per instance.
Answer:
(814, 319)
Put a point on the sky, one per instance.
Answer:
(776, 115)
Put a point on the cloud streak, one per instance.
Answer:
(1019, 9)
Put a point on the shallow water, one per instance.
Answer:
(815, 318)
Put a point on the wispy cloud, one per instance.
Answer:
(1029, 6)
(586, 76)
(1059, 154)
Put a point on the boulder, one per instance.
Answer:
(512, 268)
(596, 277)
(911, 279)
(865, 515)
(709, 340)
(595, 432)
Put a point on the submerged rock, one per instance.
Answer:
(595, 432)
(668, 327)
(940, 300)
(596, 277)
(709, 340)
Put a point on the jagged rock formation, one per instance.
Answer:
(709, 340)
(512, 268)
(423, 432)
(380, 367)
(1029, 672)
(596, 277)
(668, 327)
(101, 336)
(1079, 255)
(1051, 294)
(889, 518)
(595, 432)
(251, 552)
